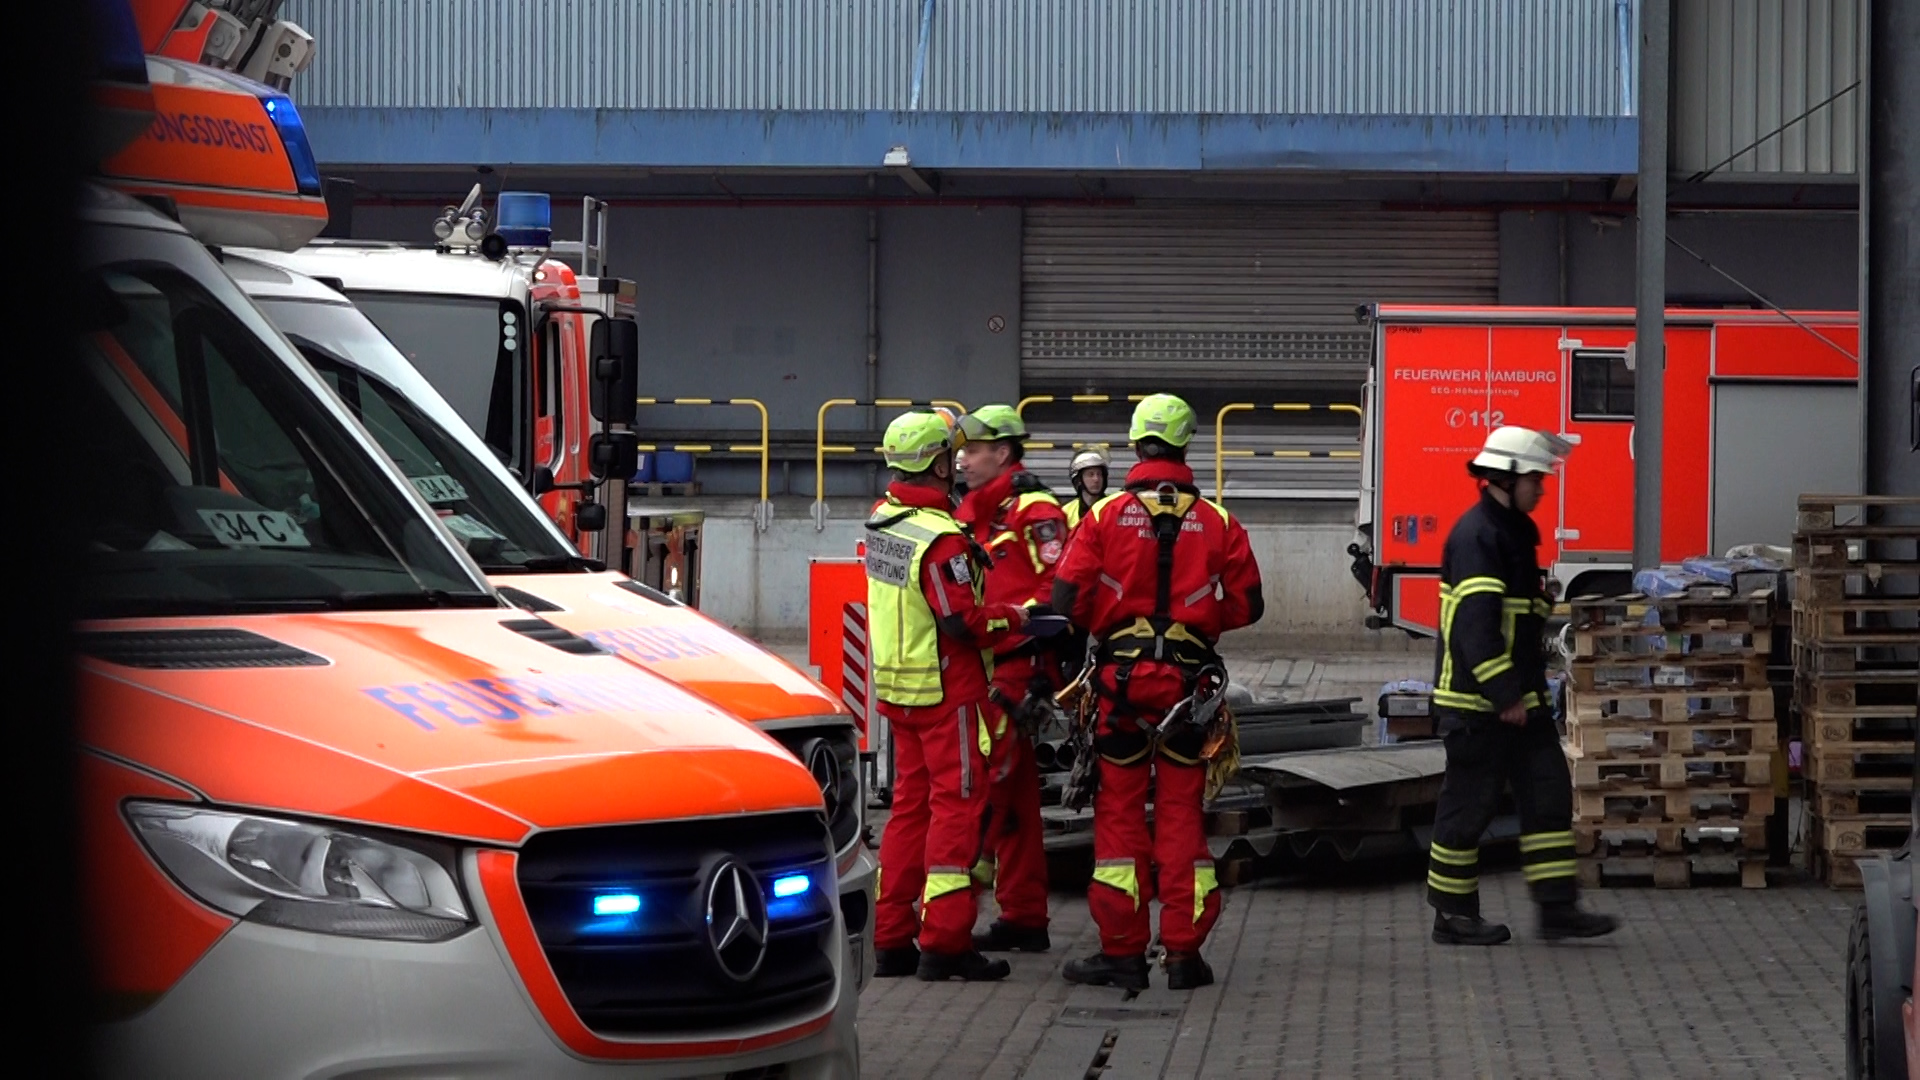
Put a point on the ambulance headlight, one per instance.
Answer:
(303, 876)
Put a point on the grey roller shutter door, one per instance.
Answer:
(1130, 298)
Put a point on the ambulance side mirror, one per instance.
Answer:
(615, 371)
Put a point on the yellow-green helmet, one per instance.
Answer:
(991, 423)
(1163, 417)
(916, 439)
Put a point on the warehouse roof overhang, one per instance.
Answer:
(1080, 142)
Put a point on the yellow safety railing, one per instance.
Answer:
(1078, 399)
(763, 513)
(821, 448)
(1221, 453)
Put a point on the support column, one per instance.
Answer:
(1890, 247)
(1650, 285)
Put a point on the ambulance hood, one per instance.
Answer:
(452, 723)
(675, 642)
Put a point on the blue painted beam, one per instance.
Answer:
(1064, 142)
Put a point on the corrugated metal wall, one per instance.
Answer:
(612, 54)
(1462, 57)
(1744, 68)
(1469, 57)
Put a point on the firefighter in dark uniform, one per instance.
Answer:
(1490, 695)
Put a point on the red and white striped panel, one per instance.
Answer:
(854, 665)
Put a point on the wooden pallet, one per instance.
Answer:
(1877, 832)
(1700, 770)
(1707, 609)
(1698, 675)
(1840, 870)
(1631, 805)
(1884, 766)
(1820, 510)
(1824, 659)
(1829, 803)
(1645, 739)
(1842, 583)
(1645, 644)
(1827, 625)
(1670, 837)
(1871, 688)
(1673, 871)
(1641, 704)
(1849, 727)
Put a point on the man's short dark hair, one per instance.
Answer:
(1161, 450)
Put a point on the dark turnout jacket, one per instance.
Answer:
(1493, 613)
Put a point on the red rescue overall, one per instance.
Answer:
(1023, 529)
(1157, 598)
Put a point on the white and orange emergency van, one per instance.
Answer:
(346, 810)
(1759, 406)
(535, 567)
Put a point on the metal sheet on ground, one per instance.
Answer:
(1102, 1029)
(1353, 767)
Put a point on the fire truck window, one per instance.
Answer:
(1602, 386)
(549, 368)
(471, 351)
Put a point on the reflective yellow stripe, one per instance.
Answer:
(986, 737)
(1120, 874)
(1543, 608)
(983, 872)
(1532, 701)
(1493, 668)
(1516, 605)
(1456, 886)
(1205, 880)
(943, 881)
(879, 877)
(1539, 841)
(1476, 585)
(1453, 699)
(1455, 858)
(1545, 870)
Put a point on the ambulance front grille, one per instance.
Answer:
(649, 966)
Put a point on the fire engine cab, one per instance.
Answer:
(1442, 377)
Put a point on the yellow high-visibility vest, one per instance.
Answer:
(903, 629)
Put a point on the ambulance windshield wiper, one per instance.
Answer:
(410, 598)
(545, 564)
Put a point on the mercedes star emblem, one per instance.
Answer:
(825, 768)
(736, 920)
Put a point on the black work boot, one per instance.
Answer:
(971, 966)
(896, 963)
(1187, 971)
(1566, 920)
(1003, 936)
(1467, 930)
(1100, 969)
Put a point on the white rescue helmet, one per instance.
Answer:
(1519, 451)
(1090, 458)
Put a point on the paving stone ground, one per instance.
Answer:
(1334, 976)
(1340, 979)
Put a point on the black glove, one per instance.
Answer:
(1048, 625)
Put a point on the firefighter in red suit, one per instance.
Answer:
(932, 637)
(1019, 523)
(1156, 574)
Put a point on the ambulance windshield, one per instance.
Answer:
(233, 487)
(476, 500)
(469, 349)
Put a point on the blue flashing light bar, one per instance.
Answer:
(608, 904)
(791, 885)
(293, 135)
(524, 218)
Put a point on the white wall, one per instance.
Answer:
(756, 581)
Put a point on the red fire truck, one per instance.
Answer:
(1759, 406)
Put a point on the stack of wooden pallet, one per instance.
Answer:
(1855, 676)
(1671, 735)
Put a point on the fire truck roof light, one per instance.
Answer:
(293, 134)
(524, 218)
